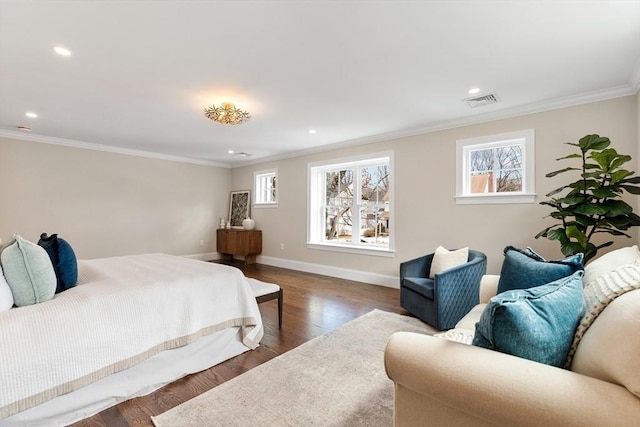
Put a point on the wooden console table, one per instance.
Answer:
(247, 243)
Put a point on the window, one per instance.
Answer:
(496, 169)
(266, 193)
(351, 205)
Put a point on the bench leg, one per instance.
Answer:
(280, 298)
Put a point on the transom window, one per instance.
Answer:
(350, 205)
(496, 168)
(266, 192)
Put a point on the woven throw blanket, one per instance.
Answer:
(598, 294)
(123, 311)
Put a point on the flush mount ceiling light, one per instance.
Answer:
(227, 114)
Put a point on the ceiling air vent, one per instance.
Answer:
(482, 100)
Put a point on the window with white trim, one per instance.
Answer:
(266, 190)
(351, 205)
(496, 168)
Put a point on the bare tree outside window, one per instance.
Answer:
(371, 204)
(496, 170)
(339, 200)
(374, 204)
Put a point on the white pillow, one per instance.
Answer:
(6, 297)
(610, 261)
(444, 259)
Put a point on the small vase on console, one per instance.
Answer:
(248, 224)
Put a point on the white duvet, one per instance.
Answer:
(123, 311)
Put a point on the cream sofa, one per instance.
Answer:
(439, 382)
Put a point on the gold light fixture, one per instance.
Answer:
(227, 114)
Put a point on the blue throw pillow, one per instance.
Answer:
(63, 259)
(536, 323)
(523, 269)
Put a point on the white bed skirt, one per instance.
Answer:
(138, 380)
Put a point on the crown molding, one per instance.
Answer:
(507, 113)
(631, 88)
(108, 148)
(634, 82)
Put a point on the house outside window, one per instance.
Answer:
(351, 205)
(496, 168)
(265, 188)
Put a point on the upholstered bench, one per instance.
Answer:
(266, 292)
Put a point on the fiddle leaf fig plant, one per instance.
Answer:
(592, 204)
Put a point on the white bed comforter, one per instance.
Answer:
(123, 311)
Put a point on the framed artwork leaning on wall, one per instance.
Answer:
(239, 205)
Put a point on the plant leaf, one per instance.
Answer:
(573, 232)
(570, 156)
(590, 209)
(619, 161)
(619, 175)
(631, 189)
(554, 173)
(616, 208)
(593, 142)
(603, 192)
(634, 180)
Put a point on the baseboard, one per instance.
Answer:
(342, 273)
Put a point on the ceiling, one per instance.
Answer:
(141, 72)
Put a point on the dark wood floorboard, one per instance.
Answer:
(313, 306)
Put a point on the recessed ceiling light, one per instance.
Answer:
(230, 152)
(30, 114)
(62, 51)
(474, 90)
(312, 131)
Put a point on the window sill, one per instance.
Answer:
(265, 205)
(381, 252)
(490, 199)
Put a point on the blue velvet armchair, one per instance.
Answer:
(443, 301)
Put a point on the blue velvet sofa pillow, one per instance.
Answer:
(63, 259)
(523, 269)
(536, 323)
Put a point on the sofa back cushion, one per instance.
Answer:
(610, 261)
(610, 348)
(523, 269)
(536, 323)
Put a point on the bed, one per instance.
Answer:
(130, 326)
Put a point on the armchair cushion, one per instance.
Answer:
(536, 323)
(523, 269)
(421, 285)
(444, 259)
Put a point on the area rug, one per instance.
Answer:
(337, 379)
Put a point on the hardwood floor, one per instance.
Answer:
(313, 306)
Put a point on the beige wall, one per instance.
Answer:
(108, 204)
(426, 212)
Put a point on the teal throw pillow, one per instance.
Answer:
(536, 323)
(523, 269)
(63, 259)
(28, 271)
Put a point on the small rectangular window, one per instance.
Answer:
(496, 169)
(266, 190)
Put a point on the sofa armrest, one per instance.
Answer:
(488, 287)
(487, 387)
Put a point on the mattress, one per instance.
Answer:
(124, 311)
